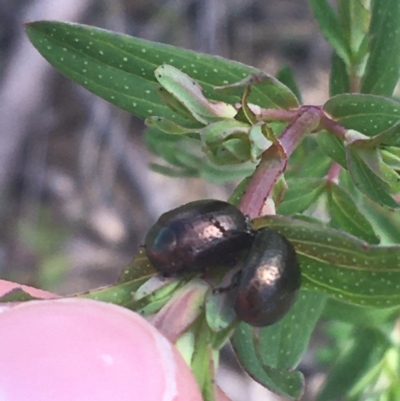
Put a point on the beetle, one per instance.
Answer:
(196, 236)
(269, 280)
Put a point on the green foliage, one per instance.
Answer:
(382, 69)
(345, 214)
(275, 350)
(335, 188)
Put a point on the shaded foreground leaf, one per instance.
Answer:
(283, 344)
(287, 383)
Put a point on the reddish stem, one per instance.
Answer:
(274, 159)
(276, 115)
(334, 172)
(333, 127)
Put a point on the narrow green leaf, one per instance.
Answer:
(386, 223)
(331, 29)
(139, 270)
(202, 363)
(216, 133)
(301, 194)
(179, 150)
(286, 76)
(221, 174)
(239, 191)
(120, 68)
(391, 157)
(232, 151)
(283, 382)
(358, 315)
(345, 214)
(308, 160)
(132, 278)
(354, 16)
(383, 65)
(367, 351)
(261, 137)
(173, 172)
(333, 147)
(266, 84)
(339, 81)
(17, 295)
(367, 181)
(173, 103)
(368, 114)
(190, 94)
(389, 137)
(283, 344)
(220, 313)
(340, 265)
(167, 126)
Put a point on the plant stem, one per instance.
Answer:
(274, 159)
(334, 172)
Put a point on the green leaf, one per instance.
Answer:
(167, 126)
(173, 172)
(261, 137)
(367, 181)
(220, 313)
(17, 295)
(283, 382)
(368, 114)
(386, 223)
(181, 151)
(389, 137)
(368, 349)
(283, 344)
(345, 214)
(331, 29)
(391, 157)
(232, 151)
(120, 68)
(358, 315)
(202, 362)
(190, 94)
(221, 174)
(333, 147)
(308, 160)
(340, 265)
(383, 65)
(216, 133)
(354, 17)
(301, 194)
(286, 76)
(339, 81)
(266, 84)
(131, 279)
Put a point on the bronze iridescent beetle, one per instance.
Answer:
(196, 236)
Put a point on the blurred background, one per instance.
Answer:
(76, 193)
